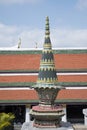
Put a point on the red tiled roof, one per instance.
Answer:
(19, 62)
(71, 61)
(73, 94)
(18, 95)
(72, 78)
(33, 78)
(20, 78)
(32, 61)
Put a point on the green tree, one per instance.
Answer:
(6, 120)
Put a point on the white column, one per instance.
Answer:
(85, 116)
(64, 118)
(27, 115)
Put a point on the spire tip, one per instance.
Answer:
(47, 30)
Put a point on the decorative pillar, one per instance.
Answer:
(47, 114)
(27, 115)
(85, 116)
(64, 118)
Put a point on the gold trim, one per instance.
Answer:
(47, 51)
(48, 80)
(44, 67)
(47, 45)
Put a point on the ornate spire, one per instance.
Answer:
(47, 42)
(46, 114)
(47, 76)
(47, 31)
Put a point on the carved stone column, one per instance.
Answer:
(27, 114)
(85, 116)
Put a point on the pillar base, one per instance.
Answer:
(64, 126)
(47, 117)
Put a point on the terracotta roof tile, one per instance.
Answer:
(18, 95)
(73, 94)
(33, 78)
(70, 61)
(32, 61)
(20, 78)
(32, 95)
(72, 78)
(19, 62)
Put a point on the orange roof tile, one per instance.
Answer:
(32, 61)
(71, 61)
(73, 94)
(19, 62)
(32, 95)
(28, 78)
(72, 78)
(33, 78)
(18, 95)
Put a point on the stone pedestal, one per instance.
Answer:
(85, 116)
(64, 118)
(64, 126)
(47, 117)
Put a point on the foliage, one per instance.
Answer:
(6, 120)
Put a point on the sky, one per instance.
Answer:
(25, 19)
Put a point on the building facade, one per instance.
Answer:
(19, 71)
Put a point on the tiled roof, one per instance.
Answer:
(19, 62)
(20, 78)
(66, 95)
(18, 95)
(72, 78)
(71, 61)
(31, 62)
(28, 62)
(23, 80)
(73, 94)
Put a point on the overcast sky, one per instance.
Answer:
(25, 19)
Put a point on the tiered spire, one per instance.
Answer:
(47, 74)
(47, 114)
(47, 42)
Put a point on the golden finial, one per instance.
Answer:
(47, 30)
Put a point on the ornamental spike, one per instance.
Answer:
(47, 29)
